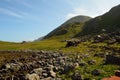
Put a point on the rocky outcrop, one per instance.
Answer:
(72, 43)
(97, 72)
(113, 59)
(39, 65)
(110, 38)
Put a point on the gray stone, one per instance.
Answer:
(45, 75)
(91, 62)
(38, 71)
(52, 74)
(117, 73)
(96, 72)
(33, 76)
(77, 76)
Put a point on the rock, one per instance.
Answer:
(21, 77)
(11, 78)
(117, 73)
(13, 61)
(87, 79)
(61, 70)
(40, 65)
(33, 76)
(48, 78)
(112, 59)
(68, 67)
(55, 69)
(59, 79)
(50, 67)
(76, 65)
(91, 62)
(45, 75)
(15, 67)
(52, 74)
(23, 42)
(77, 76)
(72, 43)
(96, 72)
(82, 63)
(3, 71)
(6, 66)
(102, 55)
(38, 71)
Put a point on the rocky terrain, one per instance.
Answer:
(51, 65)
(56, 65)
(94, 55)
(40, 65)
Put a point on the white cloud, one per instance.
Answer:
(80, 11)
(76, 11)
(17, 12)
(103, 5)
(22, 2)
(95, 8)
(10, 13)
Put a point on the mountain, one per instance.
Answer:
(78, 19)
(109, 21)
(69, 28)
(39, 39)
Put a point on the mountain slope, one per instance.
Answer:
(69, 28)
(110, 21)
(39, 39)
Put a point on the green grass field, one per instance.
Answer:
(57, 45)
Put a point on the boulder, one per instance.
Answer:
(77, 76)
(113, 59)
(91, 62)
(102, 55)
(117, 73)
(45, 75)
(72, 43)
(76, 65)
(48, 78)
(68, 67)
(38, 71)
(21, 77)
(52, 74)
(32, 76)
(6, 66)
(96, 72)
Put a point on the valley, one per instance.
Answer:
(82, 48)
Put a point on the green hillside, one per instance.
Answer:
(110, 21)
(91, 56)
(69, 28)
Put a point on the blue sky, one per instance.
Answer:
(30, 19)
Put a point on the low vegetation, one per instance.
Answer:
(84, 48)
(101, 39)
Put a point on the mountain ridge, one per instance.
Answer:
(69, 26)
(80, 26)
(109, 21)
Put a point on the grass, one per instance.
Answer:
(71, 30)
(43, 45)
(56, 45)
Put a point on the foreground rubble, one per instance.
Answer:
(40, 65)
(52, 65)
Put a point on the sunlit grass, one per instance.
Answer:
(57, 45)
